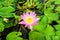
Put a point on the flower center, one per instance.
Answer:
(29, 20)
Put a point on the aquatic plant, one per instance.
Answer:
(29, 19)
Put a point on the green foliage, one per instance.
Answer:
(58, 9)
(7, 9)
(7, 16)
(55, 38)
(1, 25)
(36, 36)
(7, 2)
(57, 27)
(51, 10)
(57, 2)
(40, 26)
(51, 13)
(11, 1)
(14, 36)
(27, 5)
(48, 11)
(58, 21)
(49, 31)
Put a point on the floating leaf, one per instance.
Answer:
(14, 36)
(58, 33)
(49, 31)
(7, 9)
(55, 38)
(57, 9)
(57, 27)
(6, 15)
(57, 1)
(36, 36)
(12, 1)
(1, 25)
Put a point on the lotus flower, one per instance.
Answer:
(29, 19)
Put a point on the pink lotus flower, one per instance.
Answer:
(29, 19)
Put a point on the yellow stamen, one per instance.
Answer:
(29, 20)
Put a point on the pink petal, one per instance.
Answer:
(38, 19)
(35, 21)
(27, 13)
(26, 26)
(22, 22)
(22, 16)
(33, 14)
(31, 27)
